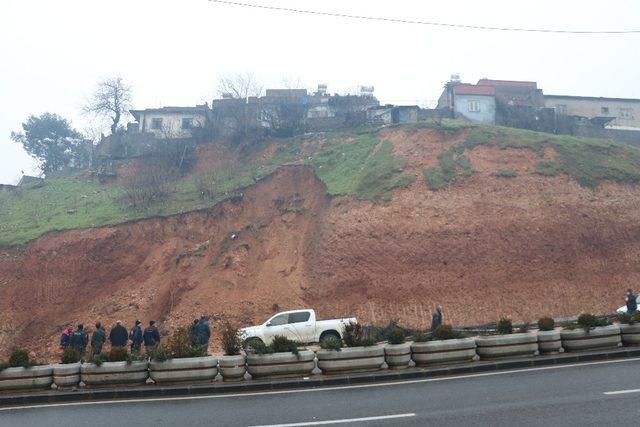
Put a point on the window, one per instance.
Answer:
(187, 123)
(626, 113)
(561, 109)
(299, 317)
(474, 106)
(279, 320)
(156, 123)
(604, 110)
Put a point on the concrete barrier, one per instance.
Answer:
(549, 342)
(35, 377)
(397, 356)
(281, 364)
(499, 346)
(184, 369)
(232, 368)
(595, 338)
(66, 375)
(351, 359)
(444, 351)
(114, 373)
(630, 334)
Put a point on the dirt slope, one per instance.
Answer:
(486, 246)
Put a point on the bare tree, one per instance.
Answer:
(150, 181)
(111, 99)
(239, 85)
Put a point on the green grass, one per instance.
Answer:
(505, 173)
(587, 160)
(363, 167)
(353, 163)
(452, 165)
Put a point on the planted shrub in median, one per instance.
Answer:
(589, 333)
(180, 360)
(505, 343)
(446, 345)
(548, 338)
(115, 367)
(630, 328)
(23, 373)
(281, 358)
(232, 364)
(360, 353)
(67, 373)
(397, 353)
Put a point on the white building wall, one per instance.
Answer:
(626, 112)
(485, 112)
(171, 124)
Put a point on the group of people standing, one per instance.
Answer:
(78, 339)
(200, 332)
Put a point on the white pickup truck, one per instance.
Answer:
(297, 325)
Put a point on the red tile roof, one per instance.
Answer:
(512, 83)
(466, 89)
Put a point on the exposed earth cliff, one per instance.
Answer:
(483, 227)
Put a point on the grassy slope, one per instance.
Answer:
(354, 163)
(589, 161)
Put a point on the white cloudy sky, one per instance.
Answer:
(171, 51)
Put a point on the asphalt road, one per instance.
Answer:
(572, 395)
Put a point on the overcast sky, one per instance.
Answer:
(172, 51)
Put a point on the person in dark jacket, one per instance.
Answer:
(151, 335)
(135, 335)
(436, 318)
(202, 332)
(65, 338)
(118, 335)
(79, 340)
(98, 337)
(632, 304)
(192, 332)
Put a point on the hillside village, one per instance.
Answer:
(288, 112)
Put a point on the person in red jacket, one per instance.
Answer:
(65, 338)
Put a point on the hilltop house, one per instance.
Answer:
(171, 122)
(612, 113)
(291, 111)
(490, 101)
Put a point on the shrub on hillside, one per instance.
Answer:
(70, 355)
(396, 336)
(505, 173)
(231, 340)
(505, 326)
(546, 324)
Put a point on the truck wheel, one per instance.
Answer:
(329, 335)
(253, 342)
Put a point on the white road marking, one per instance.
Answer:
(344, 421)
(318, 389)
(611, 393)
